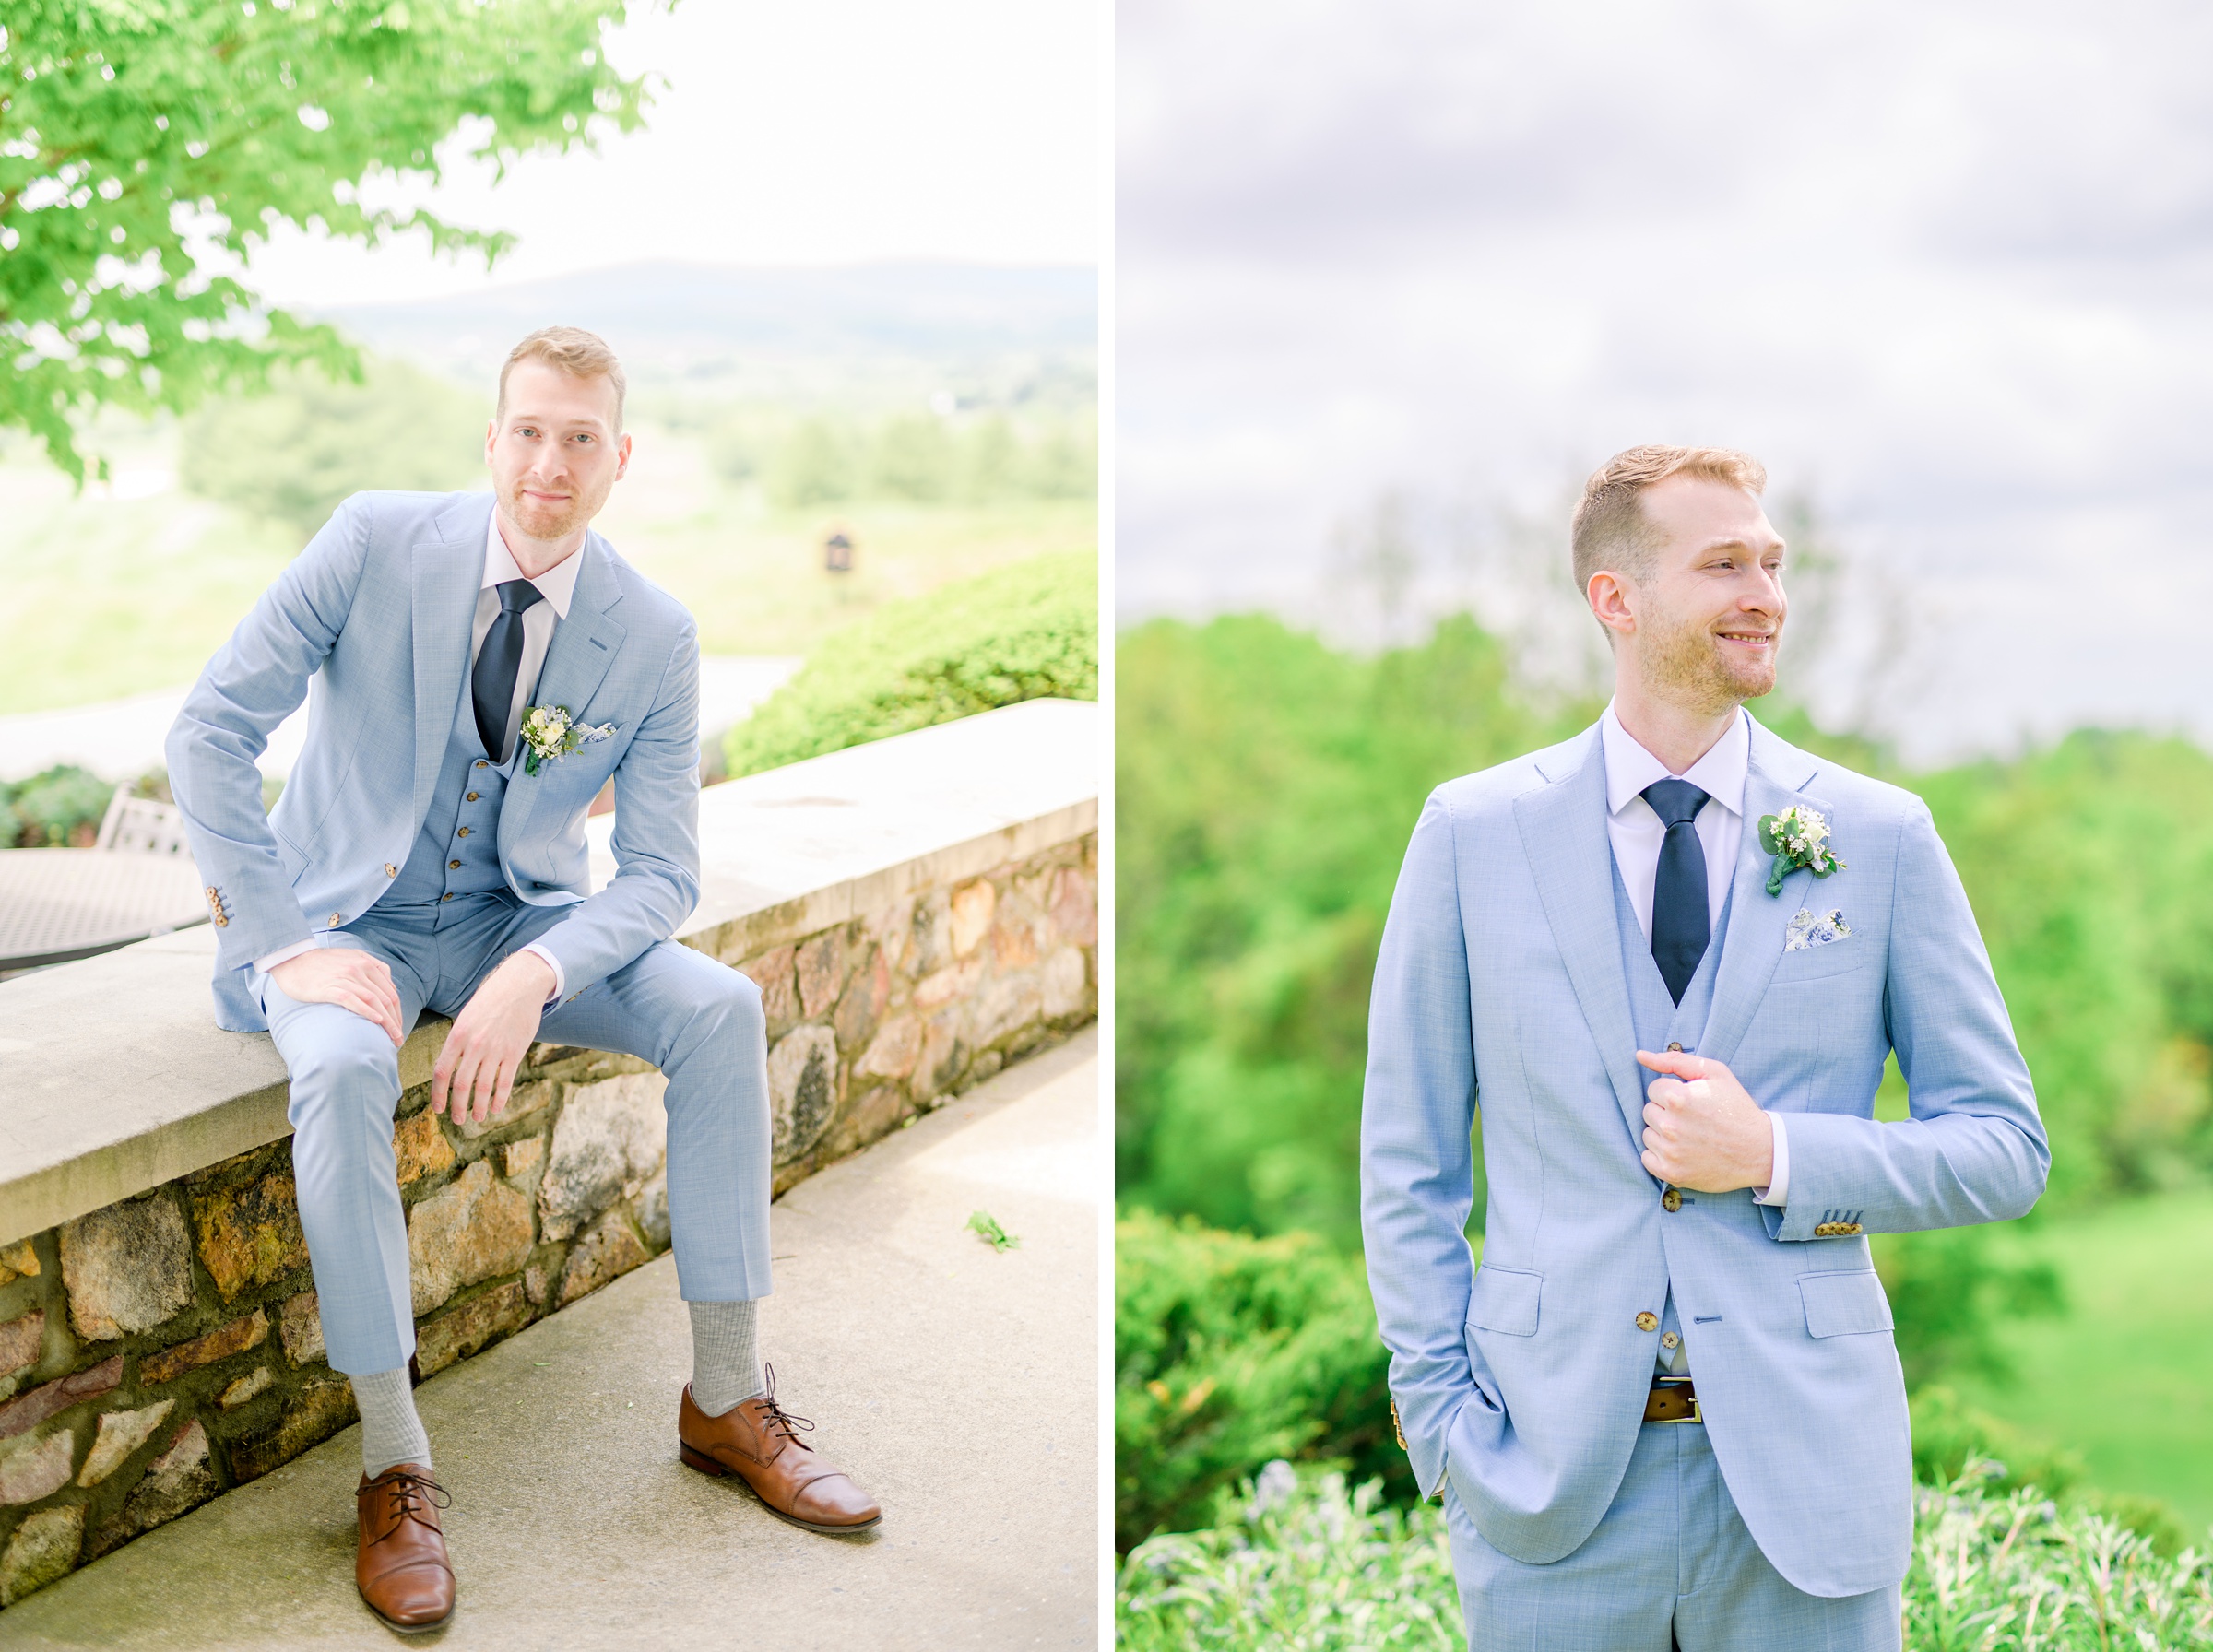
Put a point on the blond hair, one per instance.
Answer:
(579, 354)
(1610, 529)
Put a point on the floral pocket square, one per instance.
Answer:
(1806, 931)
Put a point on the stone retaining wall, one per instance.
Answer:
(161, 1350)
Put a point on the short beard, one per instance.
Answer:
(545, 526)
(1688, 662)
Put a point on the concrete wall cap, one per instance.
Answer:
(114, 1078)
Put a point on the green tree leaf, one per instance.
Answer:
(146, 147)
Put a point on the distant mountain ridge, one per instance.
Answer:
(678, 316)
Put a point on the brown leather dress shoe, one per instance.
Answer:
(401, 1567)
(758, 1441)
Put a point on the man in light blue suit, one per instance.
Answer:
(477, 666)
(1668, 959)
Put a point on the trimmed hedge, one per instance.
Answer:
(1023, 632)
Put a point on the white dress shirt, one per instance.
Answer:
(557, 584)
(1636, 833)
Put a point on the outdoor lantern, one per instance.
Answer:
(838, 553)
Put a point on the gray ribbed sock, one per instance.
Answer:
(726, 1368)
(391, 1431)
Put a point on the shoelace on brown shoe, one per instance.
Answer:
(409, 1490)
(780, 1418)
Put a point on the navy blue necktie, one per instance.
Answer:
(1680, 928)
(497, 663)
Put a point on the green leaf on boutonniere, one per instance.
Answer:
(1797, 838)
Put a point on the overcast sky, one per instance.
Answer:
(832, 132)
(1950, 269)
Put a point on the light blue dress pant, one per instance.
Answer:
(1670, 1565)
(698, 1021)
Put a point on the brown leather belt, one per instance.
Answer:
(1673, 1399)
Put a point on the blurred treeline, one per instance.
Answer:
(1266, 786)
(978, 457)
(292, 455)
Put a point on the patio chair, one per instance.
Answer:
(141, 826)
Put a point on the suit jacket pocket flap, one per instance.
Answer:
(1844, 1304)
(1505, 1300)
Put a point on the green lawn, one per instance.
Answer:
(111, 597)
(2127, 1379)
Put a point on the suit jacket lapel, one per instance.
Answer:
(1564, 834)
(448, 572)
(1753, 945)
(584, 646)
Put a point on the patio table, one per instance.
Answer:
(59, 905)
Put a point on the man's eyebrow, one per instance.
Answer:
(1737, 542)
(590, 421)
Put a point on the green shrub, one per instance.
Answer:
(61, 806)
(1229, 1351)
(1301, 1564)
(1949, 1289)
(1948, 1435)
(1265, 786)
(1020, 633)
(1304, 1563)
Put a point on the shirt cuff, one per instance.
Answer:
(285, 955)
(1777, 1192)
(561, 980)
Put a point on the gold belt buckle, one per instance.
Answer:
(1695, 1414)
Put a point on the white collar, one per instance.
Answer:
(557, 584)
(1719, 774)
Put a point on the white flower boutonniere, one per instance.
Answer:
(1797, 837)
(548, 734)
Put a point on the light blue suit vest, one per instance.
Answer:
(1505, 974)
(1661, 1022)
(466, 799)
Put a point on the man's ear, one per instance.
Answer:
(1609, 597)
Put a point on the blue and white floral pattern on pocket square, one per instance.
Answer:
(1806, 931)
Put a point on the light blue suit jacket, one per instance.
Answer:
(1501, 977)
(370, 624)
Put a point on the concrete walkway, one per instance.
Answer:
(958, 1383)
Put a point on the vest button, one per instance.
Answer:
(482, 765)
(445, 897)
(453, 866)
(471, 798)
(464, 831)
(1671, 1201)
(1648, 1322)
(1670, 1342)
(1675, 1049)
(391, 871)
